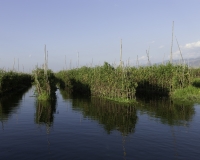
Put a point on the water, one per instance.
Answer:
(75, 128)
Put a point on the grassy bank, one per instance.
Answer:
(13, 81)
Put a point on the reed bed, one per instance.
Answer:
(123, 83)
(102, 81)
(162, 79)
(10, 81)
(45, 84)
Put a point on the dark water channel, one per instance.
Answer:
(78, 128)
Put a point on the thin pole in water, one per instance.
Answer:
(172, 41)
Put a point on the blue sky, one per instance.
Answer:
(93, 28)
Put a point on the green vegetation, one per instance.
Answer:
(12, 81)
(190, 93)
(124, 83)
(45, 84)
(161, 79)
(102, 81)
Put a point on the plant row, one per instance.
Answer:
(124, 82)
(45, 84)
(10, 81)
(103, 81)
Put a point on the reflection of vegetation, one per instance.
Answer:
(9, 103)
(44, 112)
(167, 111)
(112, 116)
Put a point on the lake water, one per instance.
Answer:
(78, 128)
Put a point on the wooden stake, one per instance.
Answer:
(121, 54)
(18, 64)
(14, 64)
(172, 41)
(65, 62)
(179, 50)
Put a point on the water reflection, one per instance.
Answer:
(45, 113)
(10, 103)
(112, 116)
(123, 118)
(169, 112)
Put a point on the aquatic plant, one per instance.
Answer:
(102, 81)
(190, 93)
(45, 84)
(123, 83)
(12, 81)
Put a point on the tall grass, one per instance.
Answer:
(45, 84)
(103, 81)
(123, 83)
(11, 80)
(161, 79)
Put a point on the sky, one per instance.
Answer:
(88, 32)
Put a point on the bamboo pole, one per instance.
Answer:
(47, 61)
(18, 64)
(179, 50)
(14, 64)
(78, 58)
(172, 41)
(65, 62)
(45, 57)
(147, 52)
(121, 53)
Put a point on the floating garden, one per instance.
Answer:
(13, 81)
(123, 84)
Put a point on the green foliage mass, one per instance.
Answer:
(162, 79)
(103, 81)
(125, 82)
(13, 81)
(190, 93)
(45, 84)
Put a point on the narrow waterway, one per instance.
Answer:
(80, 128)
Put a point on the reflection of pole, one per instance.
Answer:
(172, 42)
(174, 140)
(80, 119)
(2, 125)
(123, 146)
